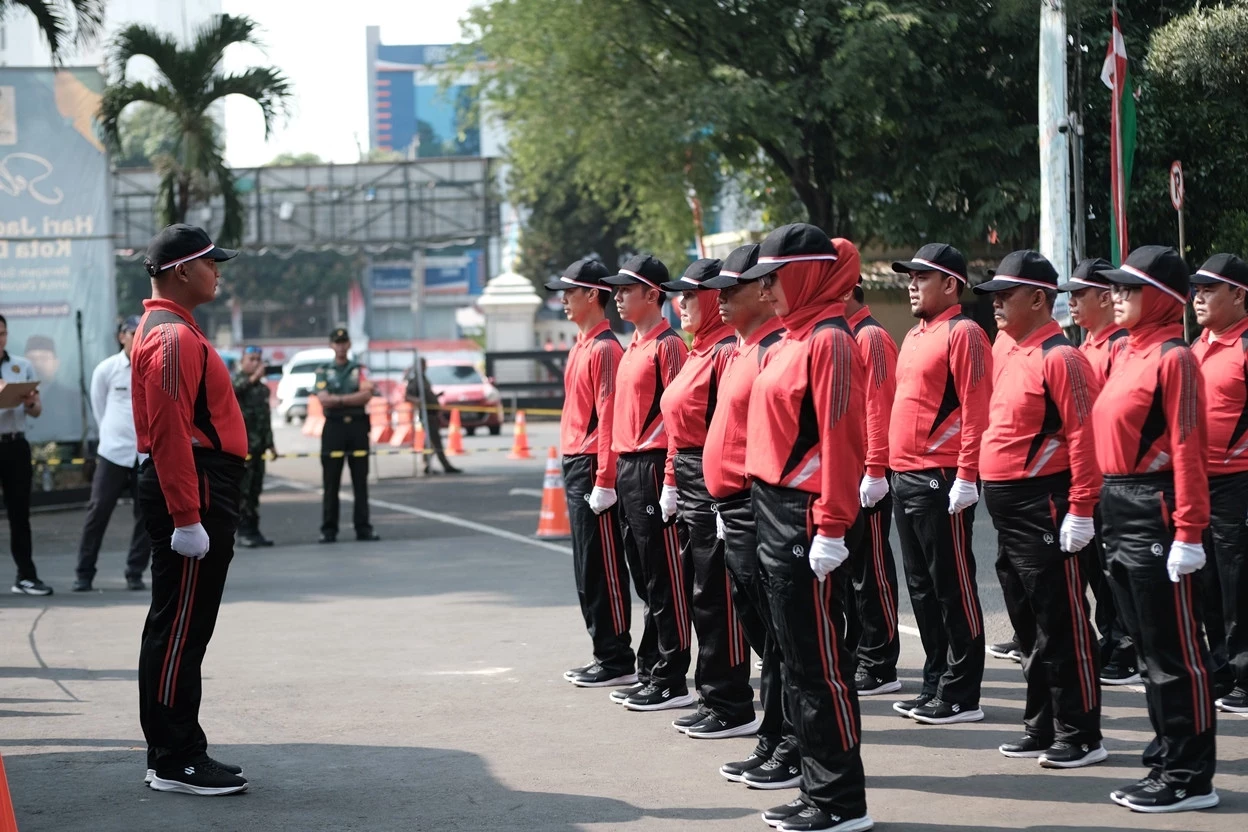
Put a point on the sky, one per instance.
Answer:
(323, 56)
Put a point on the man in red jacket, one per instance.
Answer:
(639, 437)
(944, 378)
(187, 418)
(1041, 485)
(1222, 351)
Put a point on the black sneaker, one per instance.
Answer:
(1158, 797)
(734, 771)
(772, 775)
(1063, 754)
(367, 537)
(226, 767)
(135, 584)
(202, 777)
(577, 671)
(28, 587)
(905, 706)
(621, 695)
(1235, 702)
(1119, 674)
(1119, 795)
(660, 697)
(598, 676)
(717, 728)
(82, 585)
(1006, 650)
(328, 537)
(940, 712)
(684, 723)
(777, 815)
(1028, 746)
(812, 819)
(871, 685)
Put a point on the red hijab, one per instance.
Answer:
(813, 287)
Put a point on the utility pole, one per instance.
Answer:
(1054, 148)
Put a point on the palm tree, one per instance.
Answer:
(189, 83)
(54, 23)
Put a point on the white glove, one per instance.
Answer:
(963, 495)
(667, 502)
(719, 527)
(601, 499)
(871, 490)
(1077, 532)
(826, 553)
(1185, 558)
(190, 541)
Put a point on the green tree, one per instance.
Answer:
(147, 134)
(285, 159)
(53, 17)
(190, 81)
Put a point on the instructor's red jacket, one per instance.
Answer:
(648, 366)
(1103, 348)
(879, 352)
(692, 398)
(589, 400)
(1223, 361)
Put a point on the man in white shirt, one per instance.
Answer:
(16, 469)
(116, 466)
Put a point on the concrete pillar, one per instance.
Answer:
(509, 304)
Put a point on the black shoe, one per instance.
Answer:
(1158, 797)
(577, 671)
(226, 767)
(1119, 795)
(367, 537)
(660, 697)
(621, 695)
(1006, 650)
(28, 587)
(871, 685)
(940, 712)
(328, 537)
(1064, 754)
(1119, 674)
(1028, 746)
(734, 771)
(717, 728)
(812, 819)
(777, 815)
(773, 774)
(451, 469)
(905, 706)
(135, 584)
(598, 676)
(1235, 702)
(202, 777)
(254, 541)
(82, 585)
(684, 723)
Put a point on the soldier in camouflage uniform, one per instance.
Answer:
(253, 400)
(344, 391)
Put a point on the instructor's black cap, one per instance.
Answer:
(1223, 268)
(741, 260)
(177, 244)
(796, 243)
(1021, 268)
(695, 276)
(339, 335)
(587, 274)
(1158, 266)
(935, 257)
(1085, 275)
(643, 268)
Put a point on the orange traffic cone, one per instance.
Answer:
(455, 436)
(379, 427)
(314, 419)
(520, 445)
(8, 821)
(553, 520)
(418, 436)
(404, 413)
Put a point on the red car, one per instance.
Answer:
(458, 383)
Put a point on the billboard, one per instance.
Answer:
(454, 274)
(56, 252)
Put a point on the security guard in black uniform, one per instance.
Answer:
(344, 394)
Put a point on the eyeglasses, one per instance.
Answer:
(1120, 291)
(768, 280)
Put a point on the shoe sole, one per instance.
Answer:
(775, 822)
(675, 702)
(887, 687)
(996, 654)
(1134, 679)
(748, 729)
(161, 785)
(735, 778)
(1231, 709)
(17, 591)
(1199, 801)
(791, 783)
(1020, 755)
(1099, 755)
(861, 824)
(966, 716)
(617, 682)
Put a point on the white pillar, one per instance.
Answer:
(509, 304)
(1054, 152)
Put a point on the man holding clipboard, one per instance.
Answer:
(19, 399)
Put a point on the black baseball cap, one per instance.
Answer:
(339, 335)
(796, 243)
(741, 260)
(642, 268)
(1021, 268)
(1222, 268)
(587, 274)
(1161, 267)
(179, 243)
(695, 276)
(1085, 275)
(130, 324)
(935, 257)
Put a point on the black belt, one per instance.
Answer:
(12, 437)
(345, 418)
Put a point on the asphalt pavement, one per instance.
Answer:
(415, 684)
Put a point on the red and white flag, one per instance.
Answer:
(1116, 75)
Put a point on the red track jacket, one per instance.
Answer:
(1224, 364)
(692, 398)
(589, 399)
(879, 352)
(1102, 349)
(647, 367)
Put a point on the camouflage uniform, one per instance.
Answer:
(253, 400)
(343, 441)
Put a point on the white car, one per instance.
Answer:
(298, 378)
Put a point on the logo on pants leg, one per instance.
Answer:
(650, 510)
(1156, 549)
(1048, 539)
(934, 485)
(799, 550)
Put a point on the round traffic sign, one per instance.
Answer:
(1176, 185)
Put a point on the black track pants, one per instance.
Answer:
(872, 620)
(1115, 641)
(1164, 620)
(819, 682)
(1046, 597)
(1224, 579)
(940, 574)
(599, 566)
(638, 481)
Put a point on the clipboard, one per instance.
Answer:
(12, 393)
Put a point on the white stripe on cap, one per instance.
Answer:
(1156, 284)
(939, 268)
(188, 258)
(795, 258)
(1089, 284)
(639, 277)
(1217, 276)
(688, 279)
(726, 273)
(579, 283)
(1024, 280)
